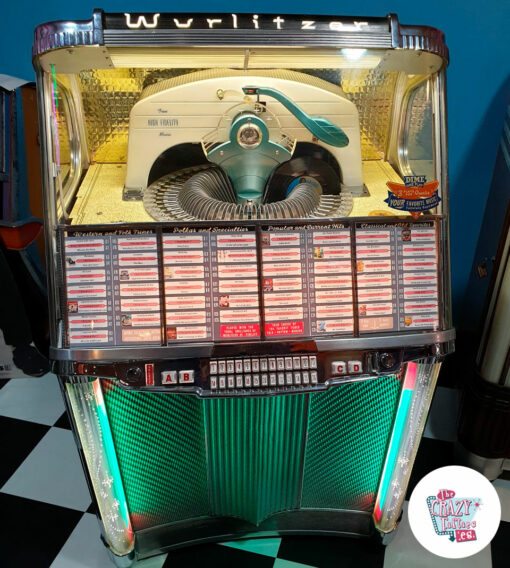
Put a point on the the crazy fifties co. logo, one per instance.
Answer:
(415, 195)
(453, 516)
(458, 521)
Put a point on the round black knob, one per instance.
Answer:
(387, 360)
(133, 374)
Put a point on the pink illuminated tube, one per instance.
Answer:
(417, 390)
(89, 413)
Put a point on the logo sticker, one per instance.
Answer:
(454, 512)
(453, 516)
(415, 195)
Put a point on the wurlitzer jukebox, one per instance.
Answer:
(247, 229)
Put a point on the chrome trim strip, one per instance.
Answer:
(197, 350)
(44, 114)
(55, 35)
(248, 38)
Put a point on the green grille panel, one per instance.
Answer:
(255, 452)
(182, 457)
(160, 449)
(349, 429)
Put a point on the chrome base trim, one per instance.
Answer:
(158, 540)
(206, 349)
(125, 561)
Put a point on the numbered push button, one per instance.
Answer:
(338, 367)
(169, 378)
(355, 367)
(186, 377)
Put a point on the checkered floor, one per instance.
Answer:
(47, 518)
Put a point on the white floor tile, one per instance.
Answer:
(503, 488)
(442, 420)
(281, 563)
(52, 473)
(84, 549)
(406, 552)
(265, 546)
(36, 399)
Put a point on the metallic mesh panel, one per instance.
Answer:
(372, 91)
(109, 94)
(255, 452)
(348, 433)
(181, 457)
(107, 97)
(161, 453)
(420, 120)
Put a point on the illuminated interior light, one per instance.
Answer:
(263, 58)
(54, 104)
(55, 91)
(353, 54)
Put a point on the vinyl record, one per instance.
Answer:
(284, 177)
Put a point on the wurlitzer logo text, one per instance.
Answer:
(453, 516)
(232, 21)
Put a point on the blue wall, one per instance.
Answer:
(478, 80)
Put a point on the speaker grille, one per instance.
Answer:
(161, 453)
(255, 452)
(349, 429)
(182, 457)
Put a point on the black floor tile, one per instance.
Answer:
(17, 439)
(93, 510)
(32, 533)
(500, 547)
(63, 422)
(332, 552)
(432, 454)
(216, 556)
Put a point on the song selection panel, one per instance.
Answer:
(418, 276)
(330, 281)
(235, 285)
(89, 291)
(187, 274)
(212, 283)
(137, 306)
(376, 281)
(285, 283)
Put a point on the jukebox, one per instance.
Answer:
(247, 235)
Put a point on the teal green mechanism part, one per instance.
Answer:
(320, 127)
(249, 156)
